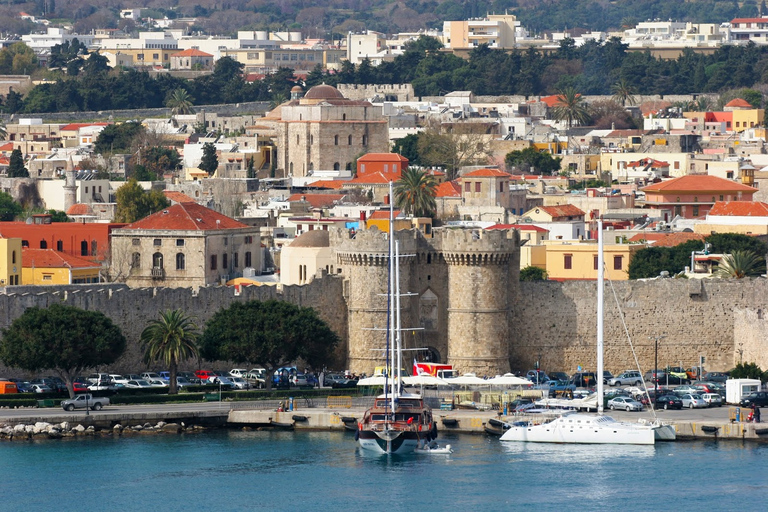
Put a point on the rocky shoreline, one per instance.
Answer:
(65, 429)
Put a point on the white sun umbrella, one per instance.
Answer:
(376, 380)
(468, 379)
(425, 380)
(508, 379)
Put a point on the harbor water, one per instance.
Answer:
(269, 470)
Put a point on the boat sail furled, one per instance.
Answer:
(577, 427)
(398, 422)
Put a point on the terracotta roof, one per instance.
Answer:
(562, 210)
(383, 214)
(698, 183)
(323, 92)
(749, 20)
(187, 216)
(177, 197)
(329, 184)
(520, 227)
(79, 209)
(448, 189)
(739, 209)
(375, 178)
(550, 101)
(486, 173)
(654, 164)
(191, 52)
(71, 127)
(8, 146)
(317, 200)
(48, 258)
(667, 239)
(383, 157)
(738, 102)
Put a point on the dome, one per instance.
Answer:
(314, 238)
(297, 88)
(323, 92)
(79, 209)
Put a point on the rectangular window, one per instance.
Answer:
(157, 242)
(477, 186)
(47, 277)
(248, 259)
(677, 165)
(214, 264)
(617, 262)
(467, 187)
(234, 260)
(224, 262)
(595, 261)
(179, 242)
(695, 211)
(155, 56)
(135, 241)
(568, 261)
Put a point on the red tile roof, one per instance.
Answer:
(375, 178)
(562, 210)
(177, 197)
(383, 214)
(486, 173)
(739, 209)
(698, 183)
(521, 227)
(654, 164)
(8, 146)
(187, 217)
(71, 127)
(383, 157)
(329, 184)
(191, 52)
(48, 258)
(448, 189)
(317, 200)
(738, 102)
(79, 209)
(667, 239)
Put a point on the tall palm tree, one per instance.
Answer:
(171, 338)
(415, 193)
(571, 107)
(740, 264)
(624, 92)
(180, 102)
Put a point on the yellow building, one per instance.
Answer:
(380, 219)
(495, 30)
(47, 267)
(10, 261)
(578, 261)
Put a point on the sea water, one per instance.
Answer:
(267, 470)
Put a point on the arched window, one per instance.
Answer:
(349, 140)
(136, 260)
(678, 199)
(84, 248)
(335, 140)
(343, 117)
(180, 261)
(43, 244)
(297, 138)
(291, 168)
(311, 166)
(157, 260)
(349, 166)
(336, 166)
(695, 199)
(713, 199)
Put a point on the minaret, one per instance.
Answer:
(70, 188)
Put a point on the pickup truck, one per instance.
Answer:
(84, 401)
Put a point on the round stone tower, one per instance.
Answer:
(70, 189)
(364, 258)
(479, 298)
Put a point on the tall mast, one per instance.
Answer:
(398, 325)
(391, 299)
(600, 286)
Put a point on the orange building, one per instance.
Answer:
(692, 196)
(391, 165)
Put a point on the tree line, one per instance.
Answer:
(591, 69)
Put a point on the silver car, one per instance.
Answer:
(693, 401)
(626, 403)
(631, 378)
(712, 399)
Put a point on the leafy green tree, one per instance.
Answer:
(180, 102)
(58, 216)
(133, 203)
(13, 102)
(651, 261)
(63, 339)
(590, 183)
(624, 92)
(570, 107)
(740, 264)
(533, 273)
(250, 172)
(117, 138)
(172, 338)
(271, 333)
(9, 209)
(415, 193)
(748, 371)
(17, 59)
(16, 167)
(210, 161)
(408, 146)
(727, 243)
(532, 160)
(158, 160)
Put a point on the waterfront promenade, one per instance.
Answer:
(690, 424)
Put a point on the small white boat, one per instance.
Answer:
(581, 428)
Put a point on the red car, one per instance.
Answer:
(204, 375)
(79, 387)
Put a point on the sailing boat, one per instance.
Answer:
(578, 427)
(398, 422)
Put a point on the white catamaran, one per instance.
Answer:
(578, 427)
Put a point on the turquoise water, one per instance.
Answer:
(261, 470)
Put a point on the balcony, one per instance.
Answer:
(158, 273)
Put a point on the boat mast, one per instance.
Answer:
(391, 300)
(600, 286)
(398, 325)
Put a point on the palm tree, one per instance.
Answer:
(170, 339)
(740, 264)
(570, 107)
(3, 132)
(415, 193)
(180, 102)
(623, 92)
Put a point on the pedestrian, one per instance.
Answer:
(757, 414)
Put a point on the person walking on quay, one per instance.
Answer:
(757, 414)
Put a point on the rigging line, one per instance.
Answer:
(651, 403)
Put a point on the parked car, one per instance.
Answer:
(240, 383)
(712, 399)
(716, 376)
(102, 386)
(190, 377)
(669, 402)
(559, 376)
(41, 388)
(626, 403)
(655, 376)
(758, 398)
(693, 401)
(688, 389)
(166, 376)
(337, 380)
(54, 385)
(537, 376)
(138, 384)
(631, 378)
(85, 401)
(299, 380)
(150, 376)
(95, 378)
(238, 372)
(23, 387)
(204, 375)
(607, 376)
(182, 382)
(158, 383)
(560, 387)
(130, 376)
(679, 373)
(224, 382)
(584, 379)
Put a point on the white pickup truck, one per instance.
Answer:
(85, 401)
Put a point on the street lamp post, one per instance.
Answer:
(656, 364)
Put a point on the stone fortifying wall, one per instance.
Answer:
(557, 322)
(750, 336)
(131, 309)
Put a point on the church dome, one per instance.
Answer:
(314, 238)
(323, 92)
(79, 209)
